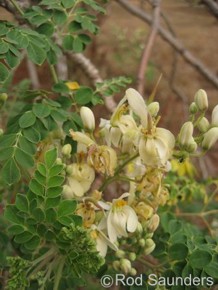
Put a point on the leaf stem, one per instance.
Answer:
(53, 73)
(15, 4)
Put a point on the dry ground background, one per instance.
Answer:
(117, 49)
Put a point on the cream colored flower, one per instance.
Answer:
(111, 135)
(80, 179)
(103, 159)
(121, 219)
(155, 149)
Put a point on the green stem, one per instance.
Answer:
(125, 163)
(59, 273)
(53, 73)
(15, 4)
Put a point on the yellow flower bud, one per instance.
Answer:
(210, 138)
(1, 132)
(149, 246)
(153, 108)
(193, 108)
(203, 125)
(201, 100)
(66, 150)
(72, 85)
(88, 118)
(215, 116)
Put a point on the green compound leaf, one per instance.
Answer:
(22, 202)
(38, 214)
(7, 140)
(27, 146)
(28, 119)
(66, 207)
(10, 172)
(50, 157)
(6, 153)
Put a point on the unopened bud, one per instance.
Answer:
(3, 97)
(193, 108)
(210, 138)
(88, 118)
(132, 256)
(203, 125)
(142, 242)
(201, 100)
(59, 161)
(133, 272)
(116, 265)
(120, 254)
(1, 132)
(185, 135)
(66, 150)
(139, 228)
(125, 265)
(154, 223)
(215, 116)
(149, 246)
(70, 169)
(153, 108)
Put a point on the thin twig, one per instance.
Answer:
(213, 7)
(177, 45)
(33, 74)
(148, 47)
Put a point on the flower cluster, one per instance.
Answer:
(130, 148)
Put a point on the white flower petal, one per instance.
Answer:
(132, 219)
(167, 136)
(112, 234)
(137, 104)
(101, 246)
